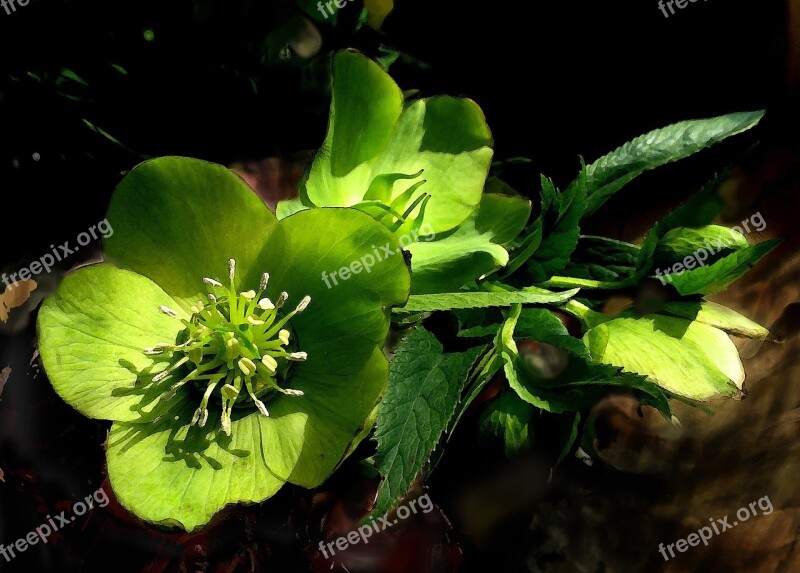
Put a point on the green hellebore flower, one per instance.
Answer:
(420, 167)
(221, 386)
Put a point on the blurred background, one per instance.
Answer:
(88, 89)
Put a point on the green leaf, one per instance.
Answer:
(486, 365)
(606, 251)
(92, 334)
(570, 426)
(102, 132)
(177, 220)
(473, 250)
(533, 324)
(424, 387)
(561, 240)
(366, 106)
(610, 173)
(543, 326)
(581, 386)
(717, 277)
(507, 420)
(449, 301)
(527, 247)
(717, 316)
(690, 359)
(550, 194)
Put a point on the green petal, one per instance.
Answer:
(305, 437)
(448, 139)
(92, 333)
(686, 358)
(713, 240)
(717, 316)
(177, 220)
(289, 207)
(347, 316)
(474, 249)
(172, 474)
(366, 105)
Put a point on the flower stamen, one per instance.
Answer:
(238, 339)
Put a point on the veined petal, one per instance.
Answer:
(177, 220)
(92, 336)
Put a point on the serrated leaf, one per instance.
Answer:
(463, 300)
(486, 365)
(582, 385)
(527, 247)
(424, 388)
(543, 326)
(507, 420)
(606, 251)
(611, 172)
(560, 240)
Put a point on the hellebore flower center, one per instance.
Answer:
(235, 341)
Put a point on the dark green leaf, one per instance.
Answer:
(424, 388)
(507, 420)
(461, 300)
(610, 173)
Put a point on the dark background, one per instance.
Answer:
(556, 82)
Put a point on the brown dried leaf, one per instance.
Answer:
(15, 296)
